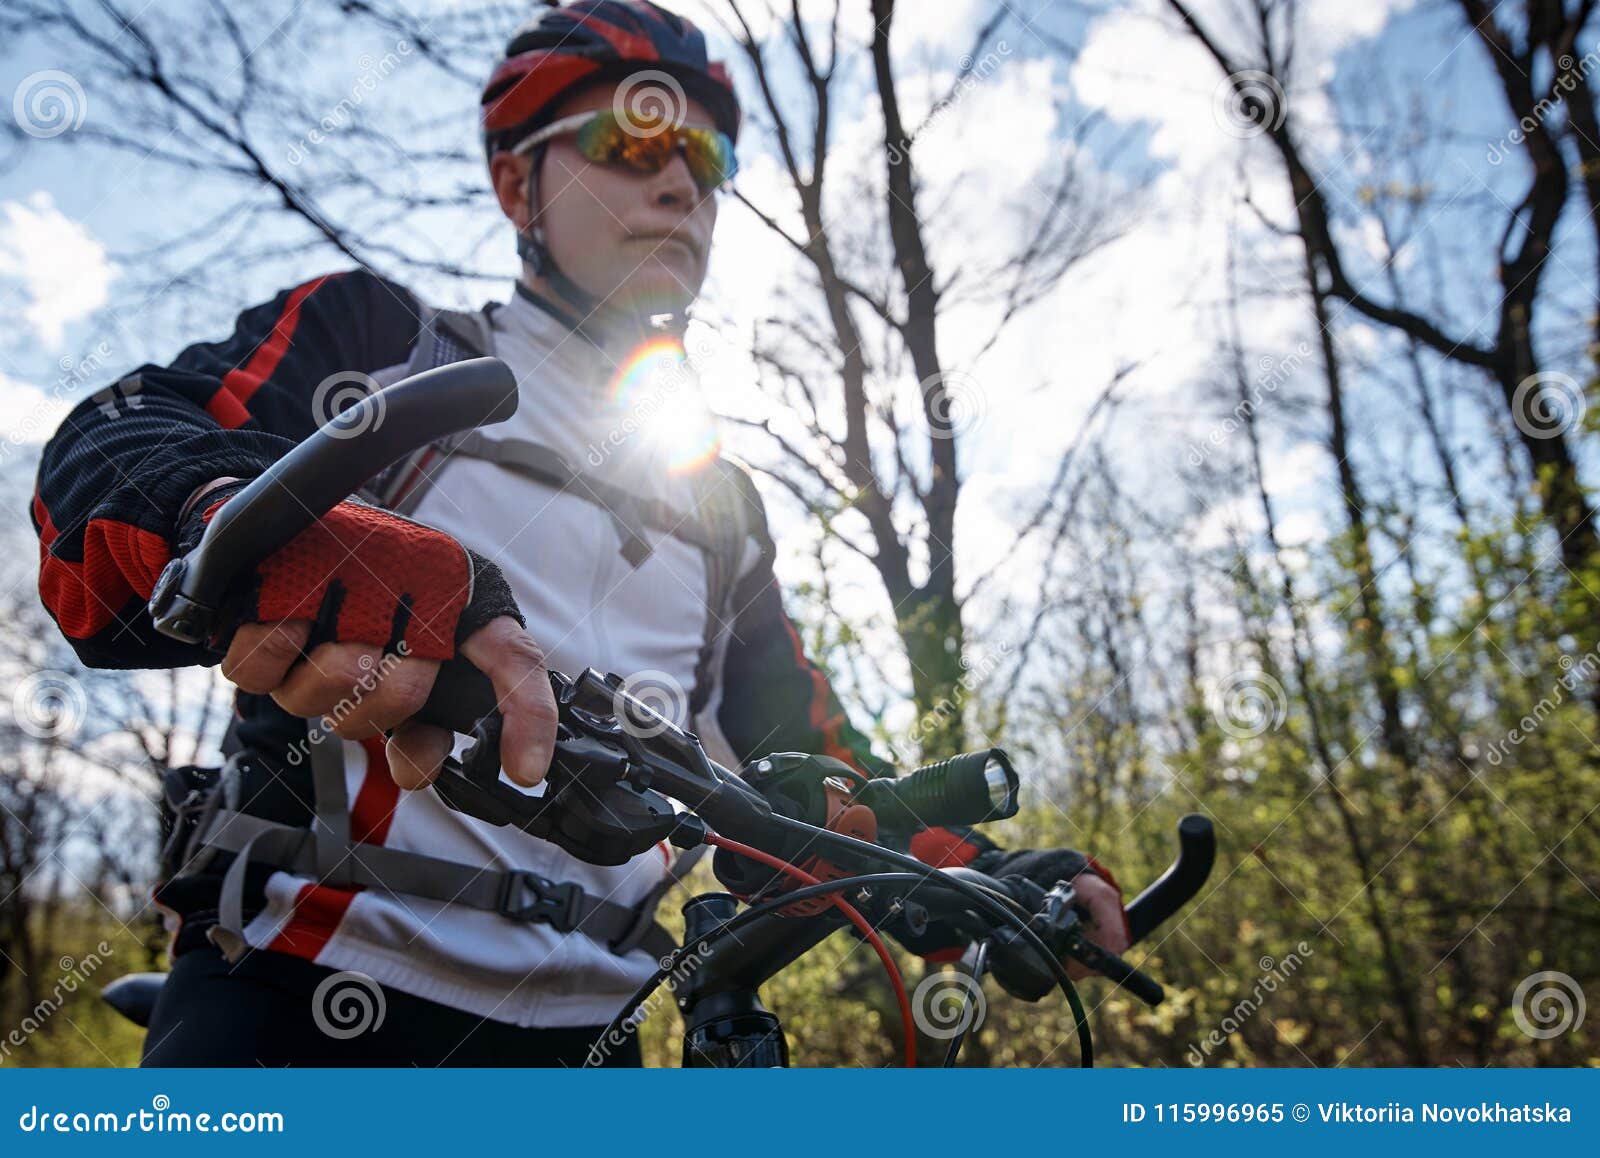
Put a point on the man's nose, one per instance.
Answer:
(674, 186)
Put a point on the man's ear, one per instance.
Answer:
(508, 173)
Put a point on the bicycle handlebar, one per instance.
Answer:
(191, 597)
(1197, 852)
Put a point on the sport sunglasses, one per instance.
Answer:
(643, 144)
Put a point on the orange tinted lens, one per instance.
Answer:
(643, 144)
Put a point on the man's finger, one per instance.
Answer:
(391, 693)
(328, 680)
(514, 663)
(416, 753)
(261, 654)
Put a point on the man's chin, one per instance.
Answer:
(659, 293)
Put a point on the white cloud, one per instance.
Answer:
(54, 264)
(28, 414)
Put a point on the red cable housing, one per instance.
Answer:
(855, 918)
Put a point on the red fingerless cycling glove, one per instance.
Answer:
(365, 575)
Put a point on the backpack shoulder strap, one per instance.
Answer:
(447, 336)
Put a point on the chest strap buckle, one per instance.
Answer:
(527, 896)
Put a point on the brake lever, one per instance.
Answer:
(606, 797)
(1064, 918)
(1059, 921)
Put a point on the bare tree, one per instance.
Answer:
(876, 315)
(1524, 246)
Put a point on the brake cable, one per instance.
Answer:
(866, 880)
(896, 981)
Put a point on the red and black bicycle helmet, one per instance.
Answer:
(597, 41)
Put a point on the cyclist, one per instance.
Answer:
(509, 558)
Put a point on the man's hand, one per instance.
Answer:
(1097, 890)
(389, 600)
(363, 693)
(1106, 926)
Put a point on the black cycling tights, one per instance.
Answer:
(260, 1012)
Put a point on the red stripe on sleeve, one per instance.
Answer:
(826, 726)
(229, 404)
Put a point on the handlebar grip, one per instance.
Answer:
(1113, 968)
(1197, 852)
(320, 473)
